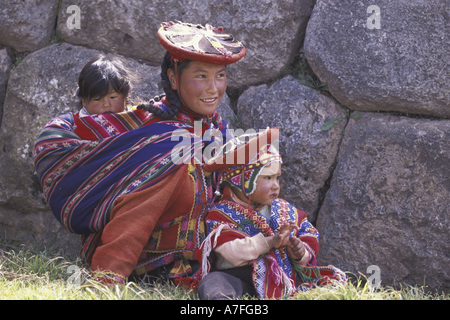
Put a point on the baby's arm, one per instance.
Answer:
(240, 252)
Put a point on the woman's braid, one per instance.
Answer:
(171, 95)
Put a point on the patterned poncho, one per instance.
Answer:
(85, 164)
(274, 274)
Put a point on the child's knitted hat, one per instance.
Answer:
(242, 165)
(200, 43)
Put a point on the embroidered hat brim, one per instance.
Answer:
(242, 165)
(245, 152)
(200, 43)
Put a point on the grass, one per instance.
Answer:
(27, 274)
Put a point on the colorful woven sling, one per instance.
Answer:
(274, 274)
(120, 154)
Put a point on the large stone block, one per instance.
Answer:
(5, 67)
(27, 25)
(308, 152)
(272, 31)
(399, 65)
(388, 204)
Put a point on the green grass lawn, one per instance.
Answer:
(27, 274)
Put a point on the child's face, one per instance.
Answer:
(267, 187)
(113, 102)
(202, 86)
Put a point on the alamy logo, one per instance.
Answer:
(191, 149)
(374, 281)
(74, 21)
(74, 280)
(374, 20)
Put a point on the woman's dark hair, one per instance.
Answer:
(100, 75)
(171, 95)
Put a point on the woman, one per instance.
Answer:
(138, 208)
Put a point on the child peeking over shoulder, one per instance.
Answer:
(103, 86)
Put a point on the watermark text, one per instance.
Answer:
(374, 20)
(74, 20)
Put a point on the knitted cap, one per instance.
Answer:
(200, 43)
(242, 165)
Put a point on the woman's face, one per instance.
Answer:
(201, 85)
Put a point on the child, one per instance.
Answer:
(259, 244)
(103, 87)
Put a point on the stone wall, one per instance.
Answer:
(367, 158)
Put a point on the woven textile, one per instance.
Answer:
(119, 154)
(182, 230)
(274, 274)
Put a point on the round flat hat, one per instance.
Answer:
(200, 43)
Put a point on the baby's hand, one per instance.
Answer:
(281, 239)
(296, 249)
(275, 241)
(286, 229)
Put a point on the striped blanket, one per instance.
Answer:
(85, 164)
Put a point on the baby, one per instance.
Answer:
(103, 86)
(256, 240)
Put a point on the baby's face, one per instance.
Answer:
(113, 102)
(267, 186)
